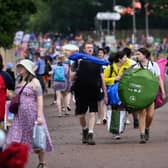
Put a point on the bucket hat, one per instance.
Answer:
(28, 65)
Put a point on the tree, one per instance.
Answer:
(65, 16)
(14, 15)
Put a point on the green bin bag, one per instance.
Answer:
(138, 88)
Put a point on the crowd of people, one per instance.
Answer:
(43, 64)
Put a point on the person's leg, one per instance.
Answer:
(149, 119)
(93, 108)
(80, 110)
(100, 112)
(82, 120)
(41, 157)
(135, 119)
(142, 125)
(104, 108)
(65, 101)
(69, 101)
(85, 129)
(92, 116)
(59, 97)
(149, 115)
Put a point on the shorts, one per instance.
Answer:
(83, 106)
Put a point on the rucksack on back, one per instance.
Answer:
(138, 88)
(88, 75)
(59, 73)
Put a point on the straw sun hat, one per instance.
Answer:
(28, 65)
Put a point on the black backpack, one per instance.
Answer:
(88, 76)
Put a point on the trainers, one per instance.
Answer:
(142, 139)
(85, 135)
(90, 139)
(68, 108)
(98, 122)
(116, 136)
(54, 102)
(147, 134)
(59, 115)
(136, 123)
(128, 121)
(104, 121)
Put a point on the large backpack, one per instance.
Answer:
(59, 73)
(138, 88)
(88, 79)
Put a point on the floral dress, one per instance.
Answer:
(21, 128)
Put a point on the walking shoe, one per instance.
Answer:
(136, 123)
(142, 139)
(128, 121)
(116, 137)
(90, 139)
(42, 165)
(85, 135)
(68, 108)
(98, 122)
(147, 134)
(54, 102)
(104, 121)
(59, 115)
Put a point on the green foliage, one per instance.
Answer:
(14, 15)
(160, 7)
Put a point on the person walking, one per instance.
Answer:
(60, 79)
(30, 110)
(113, 74)
(146, 115)
(102, 108)
(88, 80)
(40, 69)
(6, 82)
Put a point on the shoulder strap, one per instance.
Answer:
(111, 70)
(22, 88)
(141, 65)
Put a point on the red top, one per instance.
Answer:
(2, 98)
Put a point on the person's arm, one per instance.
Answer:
(161, 84)
(104, 89)
(72, 75)
(39, 94)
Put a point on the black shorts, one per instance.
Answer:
(83, 106)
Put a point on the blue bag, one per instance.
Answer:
(94, 59)
(112, 93)
(39, 137)
(59, 73)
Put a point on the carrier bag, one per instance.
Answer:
(116, 121)
(138, 88)
(112, 93)
(39, 137)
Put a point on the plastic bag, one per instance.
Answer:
(39, 137)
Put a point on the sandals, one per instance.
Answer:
(42, 165)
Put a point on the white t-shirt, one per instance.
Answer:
(152, 66)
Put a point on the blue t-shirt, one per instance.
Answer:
(41, 67)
